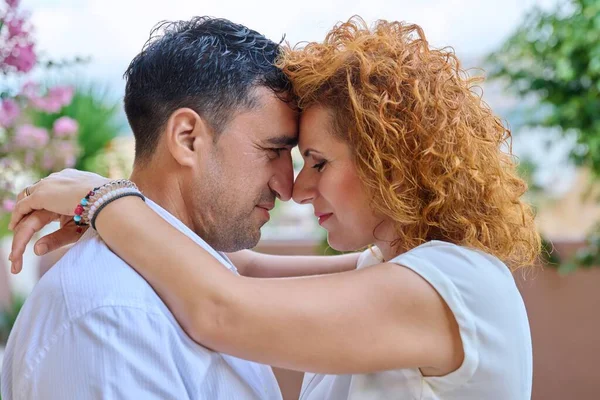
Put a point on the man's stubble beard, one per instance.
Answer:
(237, 232)
(221, 220)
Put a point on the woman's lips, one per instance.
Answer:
(323, 217)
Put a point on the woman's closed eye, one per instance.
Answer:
(320, 165)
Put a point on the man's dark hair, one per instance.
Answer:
(209, 65)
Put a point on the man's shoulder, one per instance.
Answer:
(89, 276)
(46, 352)
(88, 292)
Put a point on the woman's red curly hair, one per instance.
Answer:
(428, 149)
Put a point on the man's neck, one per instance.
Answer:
(164, 191)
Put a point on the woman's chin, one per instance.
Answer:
(341, 245)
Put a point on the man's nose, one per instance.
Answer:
(283, 179)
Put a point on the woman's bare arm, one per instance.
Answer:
(378, 318)
(259, 265)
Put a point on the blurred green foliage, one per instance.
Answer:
(98, 119)
(554, 59)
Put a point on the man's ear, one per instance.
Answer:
(186, 134)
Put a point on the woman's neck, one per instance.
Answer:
(386, 251)
(385, 236)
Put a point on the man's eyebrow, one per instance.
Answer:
(283, 140)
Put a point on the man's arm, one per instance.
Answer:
(258, 265)
(116, 352)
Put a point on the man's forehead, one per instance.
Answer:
(271, 121)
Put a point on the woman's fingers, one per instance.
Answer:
(43, 202)
(17, 216)
(23, 233)
(23, 207)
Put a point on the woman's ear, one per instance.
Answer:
(187, 134)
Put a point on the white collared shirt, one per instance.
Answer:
(93, 328)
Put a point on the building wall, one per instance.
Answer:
(564, 315)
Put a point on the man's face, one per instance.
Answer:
(247, 167)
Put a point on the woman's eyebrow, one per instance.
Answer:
(307, 152)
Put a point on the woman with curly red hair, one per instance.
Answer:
(400, 157)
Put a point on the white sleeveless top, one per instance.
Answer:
(481, 292)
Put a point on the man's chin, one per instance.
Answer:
(249, 241)
(254, 239)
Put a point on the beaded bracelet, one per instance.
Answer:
(93, 209)
(80, 211)
(110, 200)
(89, 205)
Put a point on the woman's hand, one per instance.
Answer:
(53, 198)
(59, 193)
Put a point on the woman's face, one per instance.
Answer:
(329, 181)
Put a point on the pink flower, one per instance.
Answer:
(22, 57)
(8, 205)
(9, 112)
(62, 94)
(47, 104)
(31, 137)
(55, 100)
(15, 28)
(65, 126)
(12, 3)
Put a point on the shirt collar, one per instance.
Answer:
(170, 218)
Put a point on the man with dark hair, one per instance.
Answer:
(213, 129)
(209, 65)
(207, 92)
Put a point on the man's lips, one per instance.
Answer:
(267, 207)
(323, 217)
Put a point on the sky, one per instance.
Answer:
(112, 32)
